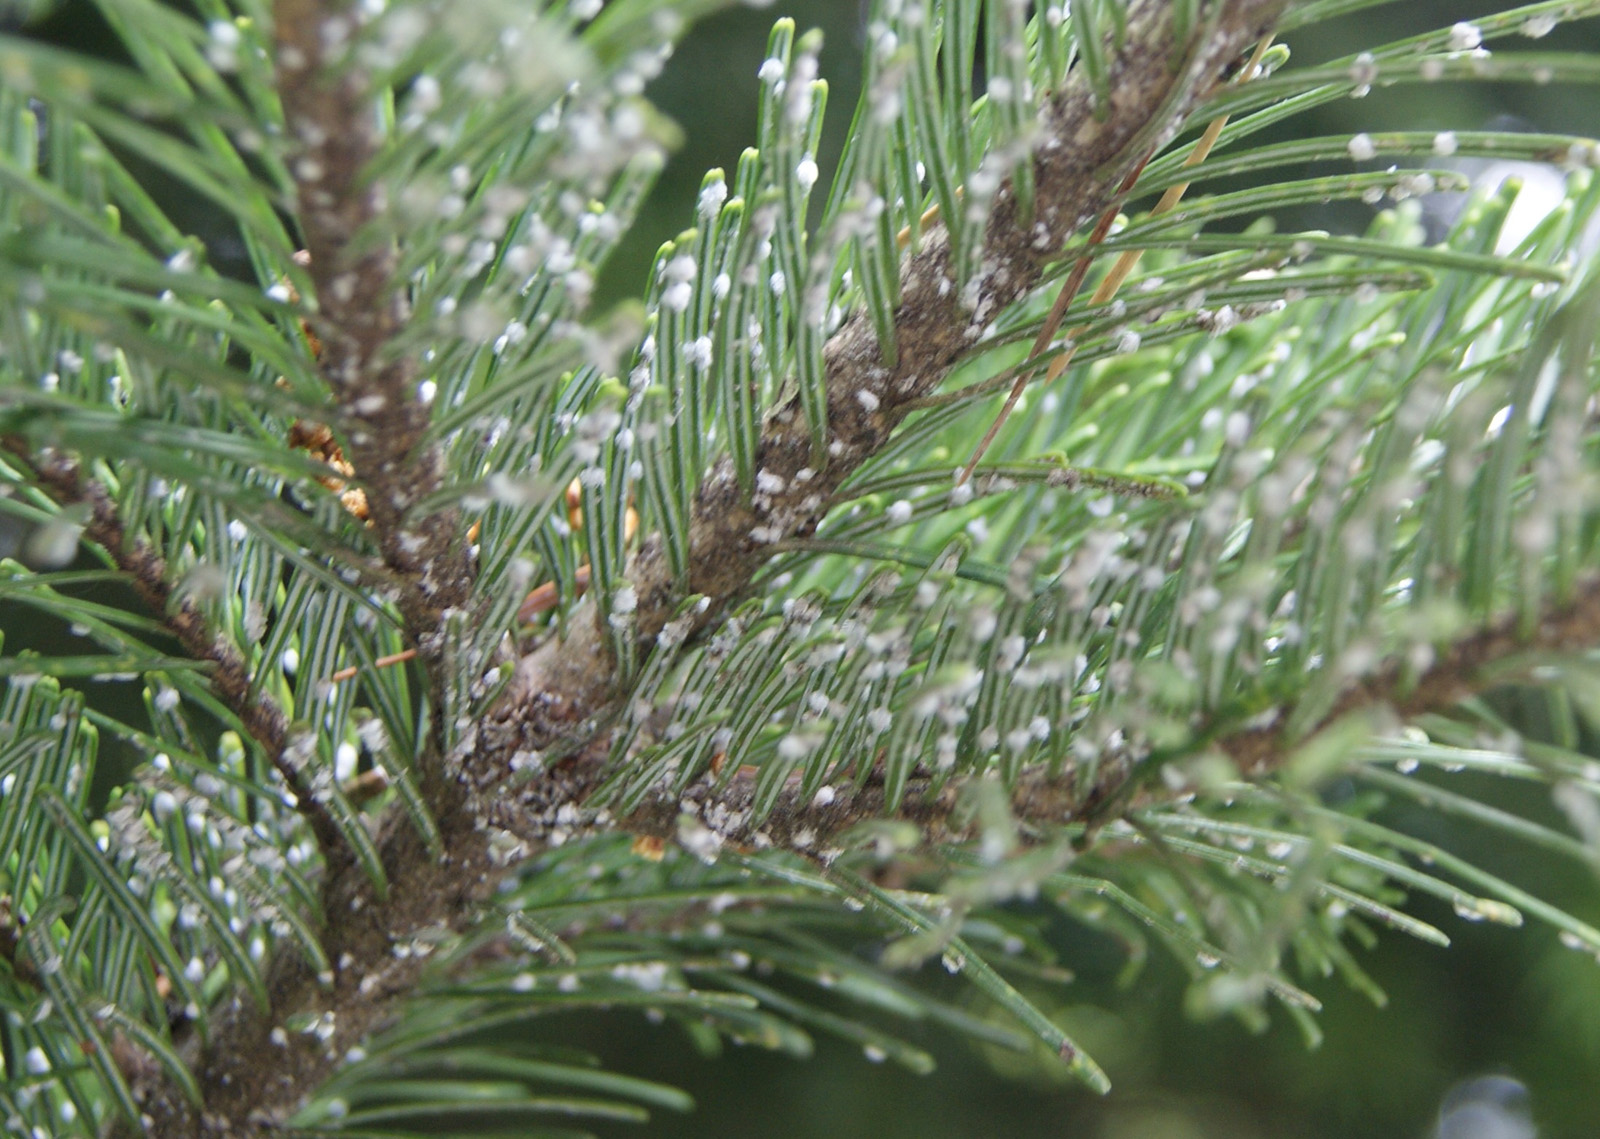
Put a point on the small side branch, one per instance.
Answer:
(61, 478)
(722, 816)
(1458, 672)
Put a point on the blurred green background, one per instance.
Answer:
(1501, 1001)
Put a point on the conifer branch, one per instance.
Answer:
(805, 638)
(253, 1074)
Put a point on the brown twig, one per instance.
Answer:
(61, 479)
(1113, 280)
(1052, 322)
(360, 309)
(382, 662)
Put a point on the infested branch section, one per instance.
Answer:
(566, 687)
(254, 1075)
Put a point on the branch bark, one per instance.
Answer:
(360, 308)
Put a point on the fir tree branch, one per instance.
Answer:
(61, 478)
(1458, 672)
(253, 1073)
